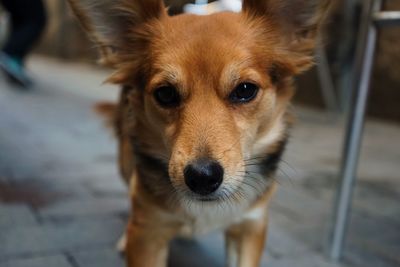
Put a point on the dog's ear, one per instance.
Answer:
(108, 111)
(298, 22)
(108, 22)
(296, 18)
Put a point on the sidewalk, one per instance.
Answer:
(62, 203)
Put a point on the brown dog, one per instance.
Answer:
(202, 120)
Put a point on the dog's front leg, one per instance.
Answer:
(245, 243)
(146, 246)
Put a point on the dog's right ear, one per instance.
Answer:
(110, 23)
(298, 23)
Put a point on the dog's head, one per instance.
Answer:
(206, 96)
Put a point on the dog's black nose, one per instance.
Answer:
(203, 176)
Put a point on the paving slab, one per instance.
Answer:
(304, 261)
(86, 207)
(98, 258)
(108, 187)
(16, 215)
(52, 238)
(51, 261)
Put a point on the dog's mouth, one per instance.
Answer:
(225, 193)
(207, 199)
(216, 196)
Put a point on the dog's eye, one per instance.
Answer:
(167, 96)
(244, 92)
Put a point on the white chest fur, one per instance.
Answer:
(215, 218)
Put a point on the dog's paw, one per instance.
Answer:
(121, 244)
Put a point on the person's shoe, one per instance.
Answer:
(14, 70)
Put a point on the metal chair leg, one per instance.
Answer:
(326, 82)
(363, 67)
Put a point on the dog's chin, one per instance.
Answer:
(213, 206)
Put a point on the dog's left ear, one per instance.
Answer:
(111, 23)
(298, 21)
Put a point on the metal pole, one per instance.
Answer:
(325, 79)
(201, 2)
(63, 31)
(345, 55)
(363, 67)
(387, 18)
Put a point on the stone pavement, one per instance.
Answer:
(63, 205)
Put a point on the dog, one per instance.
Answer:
(202, 120)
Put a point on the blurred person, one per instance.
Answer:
(28, 20)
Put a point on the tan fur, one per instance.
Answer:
(204, 58)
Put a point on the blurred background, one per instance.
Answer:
(62, 202)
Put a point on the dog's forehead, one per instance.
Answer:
(205, 44)
(215, 25)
